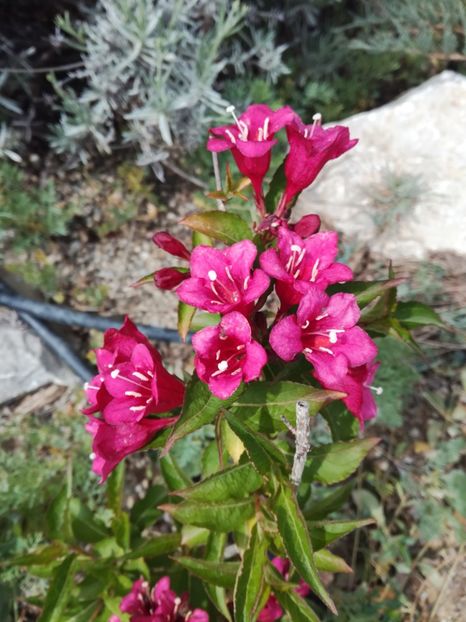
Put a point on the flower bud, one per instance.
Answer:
(169, 278)
(171, 245)
(308, 225)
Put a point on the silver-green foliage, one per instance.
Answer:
(150, 72)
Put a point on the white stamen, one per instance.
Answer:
(223, 365)
(212, 275)
(137, 374)
(223, 337)
(243, 130)
(322, 349)
(236, 372)
(307, 350)
(296, 248)
(246, 281)
(92, 456)
(321, 317)
(305, 325)
(301, 255)
(315, 270)
(110, 365)
(231, 136)
(260, 134)
(241, 346)
(317, 120)
(296, 274)
(149, 373)
(133, 394)
(136, 408)
(86, 386)
(115, 373)
(266, 128)
(228, 273)
(90, 386)
(148, 400)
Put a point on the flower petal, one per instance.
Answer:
(285, 338)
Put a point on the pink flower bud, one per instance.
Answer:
(169, 278)
(171, 245)
(308, 225)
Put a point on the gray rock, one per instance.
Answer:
(402, 189)
(25, 364)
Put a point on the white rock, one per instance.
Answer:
(25, 364)
(416, 140)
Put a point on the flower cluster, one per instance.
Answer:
(160, 604)
(299, 265)
(131, 387)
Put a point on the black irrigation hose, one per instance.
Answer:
(30, 310)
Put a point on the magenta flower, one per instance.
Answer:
(160, 604)
(273, 610)
(171, 245)
(226, 355)
(323, 328)
(250, 140)
(112, 443)
(355, 382)
(311, 147)
(221, 280)
(132, 382)
(299, 265)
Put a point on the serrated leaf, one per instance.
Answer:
(297, 541)
(218, 573)
(413, 314)
(296, 607)
(343, 425)
(234, 482)
(321, 508)
(330, 464)
(214, 552)
(41, 556)
(223, 226)
(173, 474)
(59, 591)
(200, 407)
(156, 547)
(261, 451)
(324, 533)
(262, 404)
(329, 562)
(250, 582)
(220, 516)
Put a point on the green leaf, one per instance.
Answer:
(326, 532)
(329, 562)
(414, 314)
(43, 555)
(297, 608)
(276, 187)
(86, 527)
(121, 528)
(343, 425)
(156, 547)
(218, 573)
(297, 541)
(223, 226)
(173, 474)
(220, 516)
(115, 488)
(59, 591)
(366, 291)
(234, 482)
(261, 451)
(144, 512)
(85, 613)
(185, 317)
(262, 404)
(214, 552)
(335, 462)
(59, 517)
(250, 582)
(330, 503)
(200, 407)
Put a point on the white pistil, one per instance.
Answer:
(139, 376)
(322, 349)
(115, 373)
(212, 275)
(315, 270)
(377, 390)
(332, 334)
(92, 456)
(246, 281)
(223, 365)
(136, 408)
(133, 394)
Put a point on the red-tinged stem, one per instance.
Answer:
(281, 208)
(259, 196)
